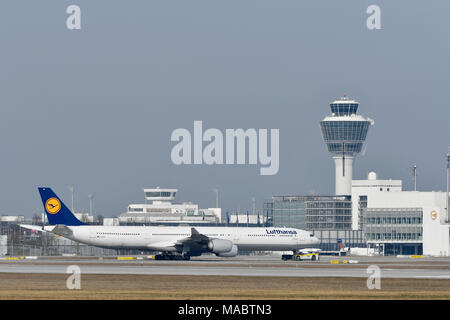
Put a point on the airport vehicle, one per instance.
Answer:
(304, 254)
(173, 242)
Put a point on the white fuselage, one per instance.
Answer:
(165, 238)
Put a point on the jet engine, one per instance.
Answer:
(232, 253)
(220, 245)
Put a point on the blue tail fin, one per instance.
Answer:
(56, 210)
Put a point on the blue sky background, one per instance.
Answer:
(95, 108)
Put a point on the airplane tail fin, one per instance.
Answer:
(56, 210)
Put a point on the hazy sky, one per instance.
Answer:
(95, 108)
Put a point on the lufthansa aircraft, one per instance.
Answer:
(172, 242)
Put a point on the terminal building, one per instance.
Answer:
(373, 213)
(161, 211)
(401, 222)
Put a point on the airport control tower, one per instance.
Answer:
(344, 132)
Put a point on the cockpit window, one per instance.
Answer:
(311, 235)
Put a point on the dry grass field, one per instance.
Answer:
(53, 286)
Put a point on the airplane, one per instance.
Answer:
(173, 242)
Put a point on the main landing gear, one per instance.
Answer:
(171, 256)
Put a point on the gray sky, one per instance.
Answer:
(95, 108)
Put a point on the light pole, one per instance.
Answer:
(71, 189)
(43, 214)
(254, 205)
(217, 196)
(90, 196)
(415, 177)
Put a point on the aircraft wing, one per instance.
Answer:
(163, 245)
(195, 242)
(197, 236)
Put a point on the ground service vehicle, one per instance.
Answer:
(312, 254)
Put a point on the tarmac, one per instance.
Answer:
(261, 266)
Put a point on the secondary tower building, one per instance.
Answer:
(161, 210)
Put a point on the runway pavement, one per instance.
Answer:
(390, 267)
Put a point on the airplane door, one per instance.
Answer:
(299, 240)
(235, 237)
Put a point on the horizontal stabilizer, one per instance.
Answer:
(31, 227)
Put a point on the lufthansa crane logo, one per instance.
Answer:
(53, 205)
(434, 215)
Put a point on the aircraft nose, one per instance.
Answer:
(315, 240)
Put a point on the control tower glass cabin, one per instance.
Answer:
(344, 132)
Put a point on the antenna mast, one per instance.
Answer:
(448, 178)
(216, 191)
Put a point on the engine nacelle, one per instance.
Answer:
(232, 253)
(220, 246)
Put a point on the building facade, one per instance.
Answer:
(360, 189)
(311, 212)
(328, 217)
(399, 230)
